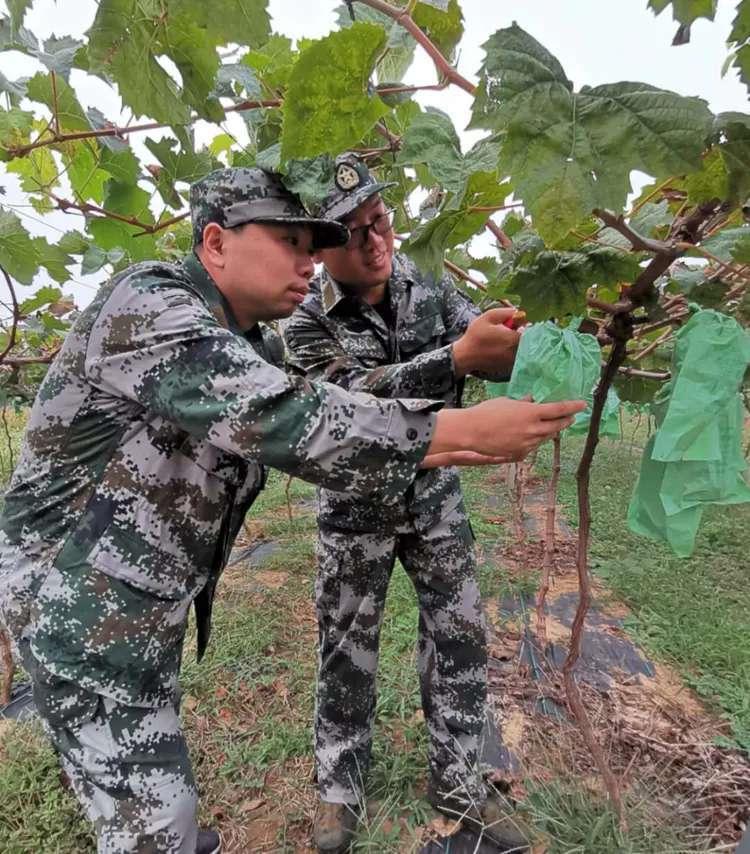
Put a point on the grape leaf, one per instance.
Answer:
(400, 45)
(453, 226)
(18, 255)
(128, 200)
(37, 170)
(70, 113)
(554, 283)
(730, 244)
(686, 11)
(53, 258)
(122, 165)
(17, 9)
(310, 179)
(651, 216)
(444, 28)
(73, 243)
(123, 45)
(273, 62)
(332, 70)
(58, 54)
(568, 153)
(711, 182)
(14, 89)
(15, 127)
(735, 149)
(177, 165)
(44, 296)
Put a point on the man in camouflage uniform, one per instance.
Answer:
(373, 322)
(144, 449)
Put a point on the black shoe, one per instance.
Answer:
(335, 826)
(209, 842)
(493, 819)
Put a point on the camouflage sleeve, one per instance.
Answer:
(314, 352)
(458, 312)
(162, 348)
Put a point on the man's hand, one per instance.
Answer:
(487, 345)
(502, 427)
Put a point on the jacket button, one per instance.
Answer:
(411, 434)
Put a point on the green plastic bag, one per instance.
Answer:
(695, 457)
(554, 364)
(610, 423)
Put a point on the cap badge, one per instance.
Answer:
(347, 177)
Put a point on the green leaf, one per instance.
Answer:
(177, 165)
(15, 127)
(432, 139)
(18, 255)
(18, 9)
(734, 129)
(451, 227)
(327, 107)
(37, 170)
(400, 45)
(568, 153)
(73, 243)
(14, 89)
(70, 113)
(686, 11)
(122, 165)
(730, 244)
(17, 38)
(58, 54)
(741, 25)
(651, 216)
(123, 45)
(444, 27)
(44, 296)
(310, 179)
(54, 259)
(237, 72)
(687, 278)
(95, 258)
(273, 62)
(128, 200)
(554, 284)
(712, 182)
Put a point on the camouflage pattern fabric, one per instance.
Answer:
(129, 767)
(352, 583)
(337, 337)
(144, 450)
(235, 196)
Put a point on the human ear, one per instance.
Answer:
(214, 244)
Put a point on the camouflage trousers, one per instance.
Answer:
(354, 570)
(128, 766)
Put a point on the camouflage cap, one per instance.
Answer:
(353, 183)
(236, 196)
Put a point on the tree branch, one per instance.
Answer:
(403, 17)
(14, 321)
(501, 237)
(637, 241)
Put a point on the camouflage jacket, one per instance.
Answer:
(339, 338)
(145, 448)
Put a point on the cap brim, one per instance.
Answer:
(354, 199)
(327, 233)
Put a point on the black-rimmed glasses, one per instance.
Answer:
(382, 224)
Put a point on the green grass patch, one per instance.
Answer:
(36, 813)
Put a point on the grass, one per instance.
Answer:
(248, 706)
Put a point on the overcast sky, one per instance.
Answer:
(597, 41)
